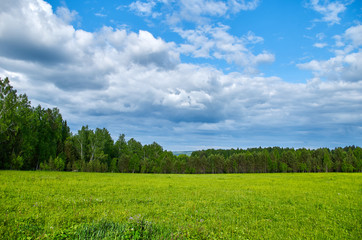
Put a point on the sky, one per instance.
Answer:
(192, 74)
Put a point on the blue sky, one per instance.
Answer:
(193, 74)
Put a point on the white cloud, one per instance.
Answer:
(66, 15)
(179, 98)
(320, 36)
(329, 10)
(320, 45)
(143, 8)
(215, 42)
(350, 40)
(347, 64)
(193, 9)
(100, 15)
(207, 40)
(50, 50)
(355, 35)
(250, 37)
(339, 68)
(237, 5)
(339, 42)
(197, 11)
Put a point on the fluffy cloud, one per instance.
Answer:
(329, 10)
(355, 35)
(207, 40)
(237, 6)
(346, 65)
(198, 11)
(339, 68)
(135, 83)
(142, 8)
(46, 47)
(215, 42)
(320, 45)
(66, 15)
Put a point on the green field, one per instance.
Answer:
(67, 205)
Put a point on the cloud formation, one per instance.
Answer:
(142, 8)
(198, 11)
(346, 64)
(209, 38)
(330, 10)
(137, 82)
(215, 42)
(46, 47)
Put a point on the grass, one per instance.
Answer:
(68, 205)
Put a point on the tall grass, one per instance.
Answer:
(64, 205)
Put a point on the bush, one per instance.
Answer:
(59, 164)
(17, 162)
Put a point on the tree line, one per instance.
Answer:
(34, 138)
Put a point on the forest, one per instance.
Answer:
(34, 138)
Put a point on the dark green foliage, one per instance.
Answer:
(29, 136)
(14, 116)
(135, 228)
(36, 138)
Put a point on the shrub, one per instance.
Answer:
(59, 164)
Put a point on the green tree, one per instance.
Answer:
(249, 161)
(327, 162)
(102, 146)
(136, 151)
(347, 165)
(114, 165)
(304, 159)
(17, 162)
(317, 160)
(59, 164)
(14, 111)
(81, 141)
(274, 161)
(289, 157)
(357, 152)
(338, 156)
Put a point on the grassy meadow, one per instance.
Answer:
(72, 205)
